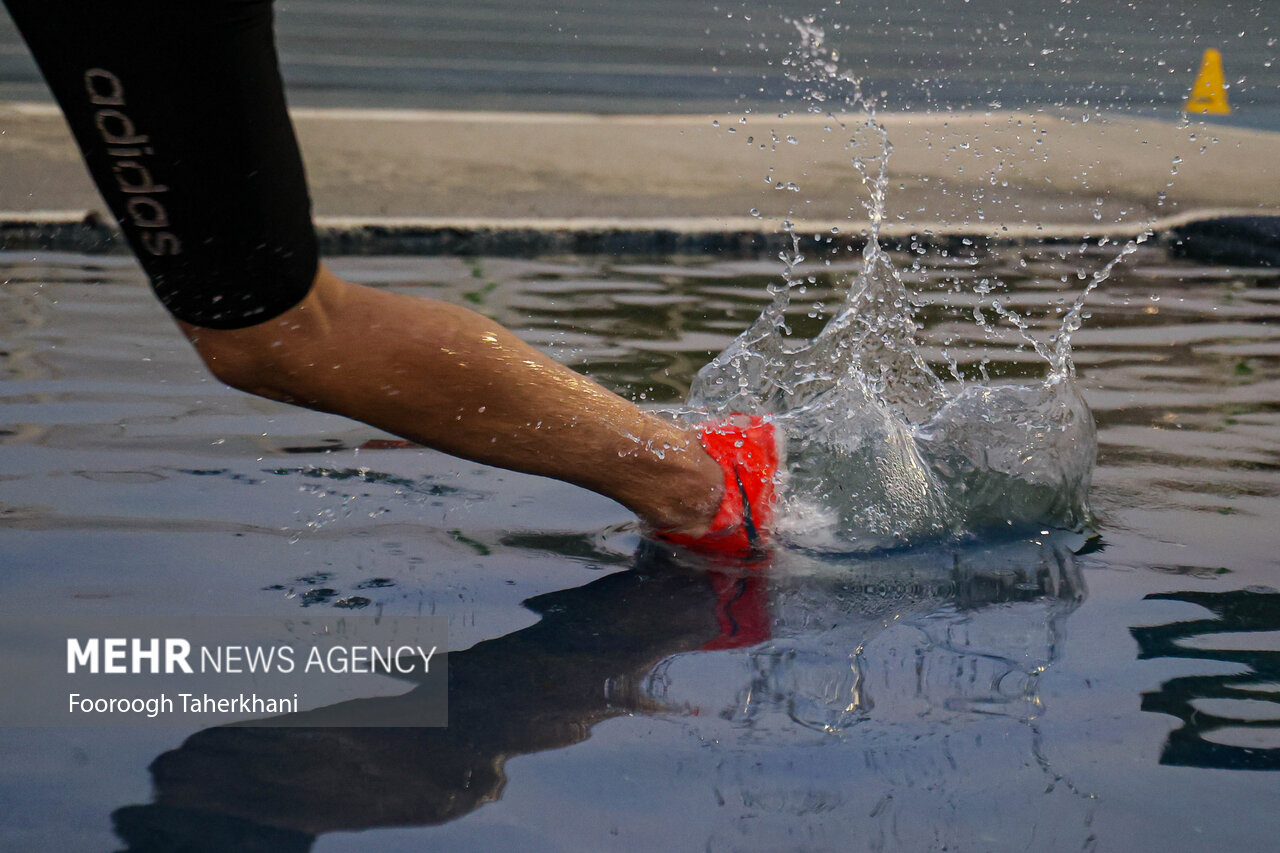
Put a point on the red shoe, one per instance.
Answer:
(746, 446)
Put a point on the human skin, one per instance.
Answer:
(451, 379)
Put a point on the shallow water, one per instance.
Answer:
(1038, 691)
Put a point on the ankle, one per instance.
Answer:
(690, 502)
(683, 491)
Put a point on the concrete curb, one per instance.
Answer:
(1224, 235)
(1252, 241)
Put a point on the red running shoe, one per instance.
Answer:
(746, 446)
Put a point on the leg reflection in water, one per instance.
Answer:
(614, 647)
(540, 688)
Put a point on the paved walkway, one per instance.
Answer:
(1003, 175)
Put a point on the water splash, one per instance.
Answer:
(881, 451)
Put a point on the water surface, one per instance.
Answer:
(1042, 691)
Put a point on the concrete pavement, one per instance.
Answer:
(383, 179)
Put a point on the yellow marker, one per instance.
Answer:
(1209, 92)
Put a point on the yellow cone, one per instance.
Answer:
(1209, 93)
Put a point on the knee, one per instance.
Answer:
(240, 358)
(281, 357)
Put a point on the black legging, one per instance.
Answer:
(178, 108)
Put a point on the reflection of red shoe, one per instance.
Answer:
(746, 446)
(742, 611)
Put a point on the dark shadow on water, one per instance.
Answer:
(233, 788)
(1235, 612)
(597, 652)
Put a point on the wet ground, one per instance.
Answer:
(1045, 692)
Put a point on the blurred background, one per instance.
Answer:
(665, 56)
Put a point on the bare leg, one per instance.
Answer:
(180, 112)
(451, 379)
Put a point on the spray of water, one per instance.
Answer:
(881, 452)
